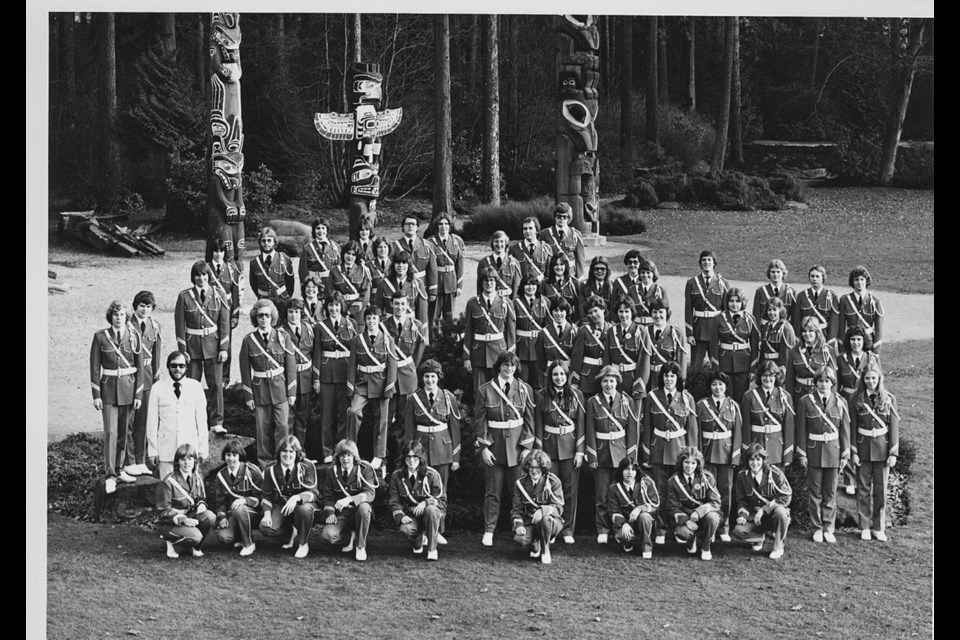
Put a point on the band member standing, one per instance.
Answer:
(667, 343)
(302, 337)
(489, 330)
(734, 344)
(448, 251)
(703, 296)
(433, 419)
(352, 279)
(820, 303)
(776, 333)
(776, 288)
(627, 347)
(564, 239)
(588, 347)
(319, 255)
(331, 352)
(422, 260)
(768, 416)
(506, 266)
(530, 251)
(271, 272)
(556, 340)
(149, 331)
(720, 432)
(227, 278)
(533, 314)
(409, 337)
(860, 308)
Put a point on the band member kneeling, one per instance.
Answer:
(762, 494)
(417, 499)
(289, 496)
(348, 491)
(537, 506)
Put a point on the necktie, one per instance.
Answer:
(856, 363)
(116, 335)
(767, 397)
(336, 326)
(298, 334)
(363, 248)
(873, 399)
(689, 484)
(499, 263)
(530, 248)
(143, 326)
(656, 335)
(203, 295)
(233, 478)
(267, 261)
(560, 234)
(559, 329)
(506, 389)
(736, 319)
(430, 398)
(313, 309)
(859, 302)
(264, 337)
(217, 267)
(176, 389)
(383, 265)
(372, 338)
(609, 401)
(488, 303)
(718, 405)
(823, 401)
(286, 477)
(669, 399)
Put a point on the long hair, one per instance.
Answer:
(402, 257)
(819, 342)
(184, 451)
(591, 282)
(690, 452)
(862, 395)
(628, 463)
(290, 442)
(550, 390)
(775, 303)
(556, 259)
(414, 447)
(671, 367)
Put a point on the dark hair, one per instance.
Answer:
(414, 447)
(593, 301)
(184, 451)
(627, 463)
(670, 367)
(633, 254)
(334, 296)
(734, 292)
(144, 297)
(316, 223)
(855, 330)
(351, 247)
(488, 273)
(177, 354)
(858, 271)
(649, 265)
(293, 443)
(409, 216)
(219, 245)
(777, 303)
(115, 307)
(372, 310)
(529, 279)
(295, 304)
(561, 303)
(690, 452)
(754, 450)
(709, 254)
(199, 268)
(716, 374)
(505, 357)
(556, 259)
(430, 366)
(656, 305)
(769, 366)
(233, 446)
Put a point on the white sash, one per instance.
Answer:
(427, 411)
(620, 347)
(193, 294)
(267, 275)
(716, 418)
(363, 342)
(813, 305)
(823, 415)
(704, 295)
(330, 333)
(529, 314)
(556, 344)
(653, 396)
(610, 416)
(276, 365)
(506, 399)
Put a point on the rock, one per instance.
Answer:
(791, 204)
(846, 509)
(217, 442)
(668, 205)
(131, 501)
(290, 228)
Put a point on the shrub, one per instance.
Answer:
(858, 157)
(129, 202)
(787, 185)
(762, 197)
(700, 189)
(915, 167)
(259, 187)
(187, 194)
(669, 187)
(641, 195)
(73, 467)
(739, 192)
(485, 219)
(616, 221)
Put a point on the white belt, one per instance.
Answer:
(321, 274)
(527, 334)
(769, 428)
(592, 361)
(350, 297)
(623, 367)
(419, 274)
(655, 367)
(272, 373)
(806, 381)
(705, 314)
(489, 337)
(404, 362)
(669, 435)
(371, 368)
(823, 437)
(265, 292)
(201, 332)
(335, 354)
(873, 433)
(848, 389)
(123, 371)
(505, 424)
(446, 269)
(644, 320)
(734, 346)
(716, 435)
(304, 366)
(771, 356)
(431, 428)
(560, 431)
(613, 435)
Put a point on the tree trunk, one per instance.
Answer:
(906, 67)
(473, 54)
(652, 94)
(513, 86)
(201, 53)
(168, 33)
(815, 55)
(736, 128)
(662, 91)
(726, 79)
(442, 156)
(626, 85)
(356, 49)
(108, 158)
(69, 74)
(491, 107)
(690, 48)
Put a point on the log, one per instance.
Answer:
(53, 287)
(51, 274)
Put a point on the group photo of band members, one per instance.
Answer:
(573, 370)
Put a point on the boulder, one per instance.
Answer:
(668, 205)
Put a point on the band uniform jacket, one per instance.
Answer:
(552, 345)
(868, 314)
(603, 290)
(773, 490)
(151, 349)
(570, 244)
(612, 431)
(626, 288)
(246, 485)
(303, 354)
(406, 491)
(316, 259)
(371, 366)
(436, 426)
(622, 500)
(629, 349)
(331, 350)
(179, 496)
(670, 346)
(528, 497)
(588, 357)
(702, 299)
(449, 255)
(786, 293)
(720, 440)
(824, 443)
(409, 338)
(568, 289)
(559, 424)
(366, 252)
(532, 259)
(378, 271)
(354, 284)
(770, 423)
(803, 364)
(701, 498)
(423, 262)
(825, 306)
(508, 274)
(312, 311)
(268, 371)
(488, 332)
(505, 428)
(412, 288)
(532, 316)
(229, 285)
(668, 426)
(876, 430)
(360, 484)
(776, 340)
(275, 281)
(202, 329)
(734, 345)
(173, 421)
(276, 489)
(116, 366)
(849, 371)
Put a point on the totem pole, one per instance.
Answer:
(225, 210)
(578, 168)
(365, 125)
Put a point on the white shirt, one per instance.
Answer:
(173, 421)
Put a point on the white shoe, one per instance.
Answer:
(829, 537)
(602, 538)
(196, 553)
(535, 552)
(218, 428)
(776, 554)
(302, 551)
(692, 548)
(487, 540)
(865, 534)
(328, 460)
(851, 490)
(818, 536)
(545, 556)
(126, 477)
(171, 552)
(758, 546)
(349, 547)
(646, 555)
(660, 539)
(361, 554)
(419, 550)
(144, 470)
(880, 535)
(110, 485)
(706, 555)
(725, 537)
(440, 539)
(132, 470)
(246, 551)
(293, 540)
(376, 462)
(627, 547)
(568, 539)
(432, 555)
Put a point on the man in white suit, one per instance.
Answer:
(176, 415)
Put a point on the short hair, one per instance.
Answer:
(398, 295)
(488, 273)
(317, 223)
(778, 264)
(562, 207)
(499, 235)
(365, 227)
(443, 217)
(858, 271)
(144, 297)
(267, 232)
(626, 463)
(716, 374)
(290, 442)
(769, 366)
(609, 371)
(633, 254)
(775, 303)
(560, 303)
(185, 450)
(656, 305)
(506, 357)
(115, 307)
(351, 247)
(687, 453)
(534, 219)
(734, 292)
(670, 367)
(234, 447)
(219, 245)
(315, 281)
(624, 302)
(756, 450)
(649, 265)
(378, 241)
(173, 355)
(346, 446)
(264, 303)
(414, 447)
(430, 366)
(855, 330)
(199, 268)
(539, 457)
(818, 267)
(592, 302)
(529, 279)
(827, 372)
(708, 254)
(401, 257)
(334, 296)
(372, 310)
(409, 216)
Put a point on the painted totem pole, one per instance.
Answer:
(578, 75)
(364, 126)
(225, 210)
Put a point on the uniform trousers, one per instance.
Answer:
(698, 353)
(822, 488)
(300, 417)
(442, 308)
(272, 427)
(724, 475)
(136, 449)
(225, 378)
(704, 533)
(494, 478)
(428, 524)
(543, 532)
(116, 427)
(349, 520)
(281, 526)
(240, 528)
(213, 372)
(777, 521)
(480, 376)
(872, 480)
(739, 384)
(529, 372)
(570, 480)
(640, 530)
(602, 477)
(333, 416)
(661, 475)
(355, 417)
(186, 537)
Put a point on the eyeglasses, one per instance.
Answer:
(412, 456)
(177, 365)
(633, 262)
(264, 315)
(533, 468)
(599, 268)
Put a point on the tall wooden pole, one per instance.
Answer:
(442, 156)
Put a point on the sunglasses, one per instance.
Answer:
(264, 315)
(178, 365)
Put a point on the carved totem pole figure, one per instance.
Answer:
(365, 125)
(225, 210)
(578, 75)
